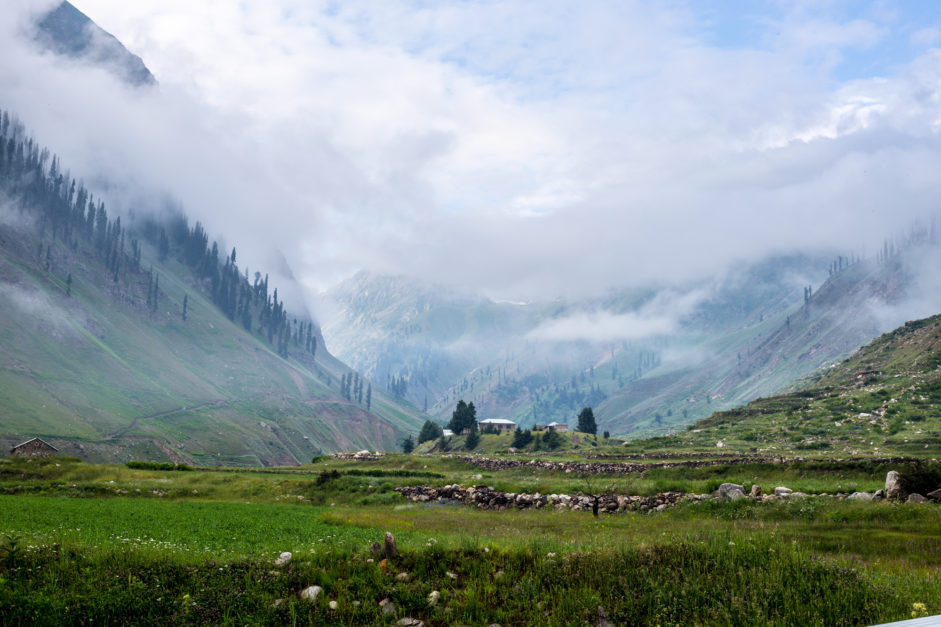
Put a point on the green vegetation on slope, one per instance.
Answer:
(884, 400)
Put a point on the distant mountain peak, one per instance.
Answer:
(68, 32)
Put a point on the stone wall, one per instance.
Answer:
(485, 497)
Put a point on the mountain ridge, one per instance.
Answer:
(67, 31)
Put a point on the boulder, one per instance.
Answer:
(734, 494)
(782, 491)
(860, 496)
(893, 485)
(936, 495)
(725, 488)
(387, 606)
(755, 491)
(878, 495)
(311, 593)
(410, 622)
(916, 498)
(283, 559)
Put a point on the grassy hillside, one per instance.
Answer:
(97, 357)
(885, 399)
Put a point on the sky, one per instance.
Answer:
(524, 150)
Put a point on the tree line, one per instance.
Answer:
(68, 213)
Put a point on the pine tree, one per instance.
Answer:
(586, 421)
(472, 440)
(408, 445)
(429, 431)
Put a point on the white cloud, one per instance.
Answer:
(660, 316)
(523, 149)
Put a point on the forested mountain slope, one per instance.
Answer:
(141, 340)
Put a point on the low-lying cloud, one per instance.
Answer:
(660, 316)
(524, 150)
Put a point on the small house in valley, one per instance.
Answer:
(555, 426)
(496, 424)
(34, 448)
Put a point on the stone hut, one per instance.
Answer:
(33, 448)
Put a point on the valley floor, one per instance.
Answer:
(84, 543)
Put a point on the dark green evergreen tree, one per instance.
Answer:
(429, 431)
(408, 445)
(472, 441)
(463, 417)
(586, 421)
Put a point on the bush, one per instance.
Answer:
(327, 476)
(921, 477)
(157, 466)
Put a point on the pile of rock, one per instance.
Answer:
(360, 456)
(485, 497)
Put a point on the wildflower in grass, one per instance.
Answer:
(919, 609)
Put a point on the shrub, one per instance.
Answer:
(157, 466)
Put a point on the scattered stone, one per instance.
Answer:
(499, 575)
(512, 450)
(893, 485)
(450, 574)
(390, 547)
(277, 602)
(334, 605)
(878, 495)
(375, 548)
(916, 498)
(860, 496)
(782, 491)
(387, 606)
(403, 577)
(283, 559)
(410, 622)
(602, 620)
(755, 491)
(433, 597)
(311, 593)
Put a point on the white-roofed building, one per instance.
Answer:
(498, 424)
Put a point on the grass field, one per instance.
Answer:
(86, 543)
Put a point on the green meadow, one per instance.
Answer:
(82, 544)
